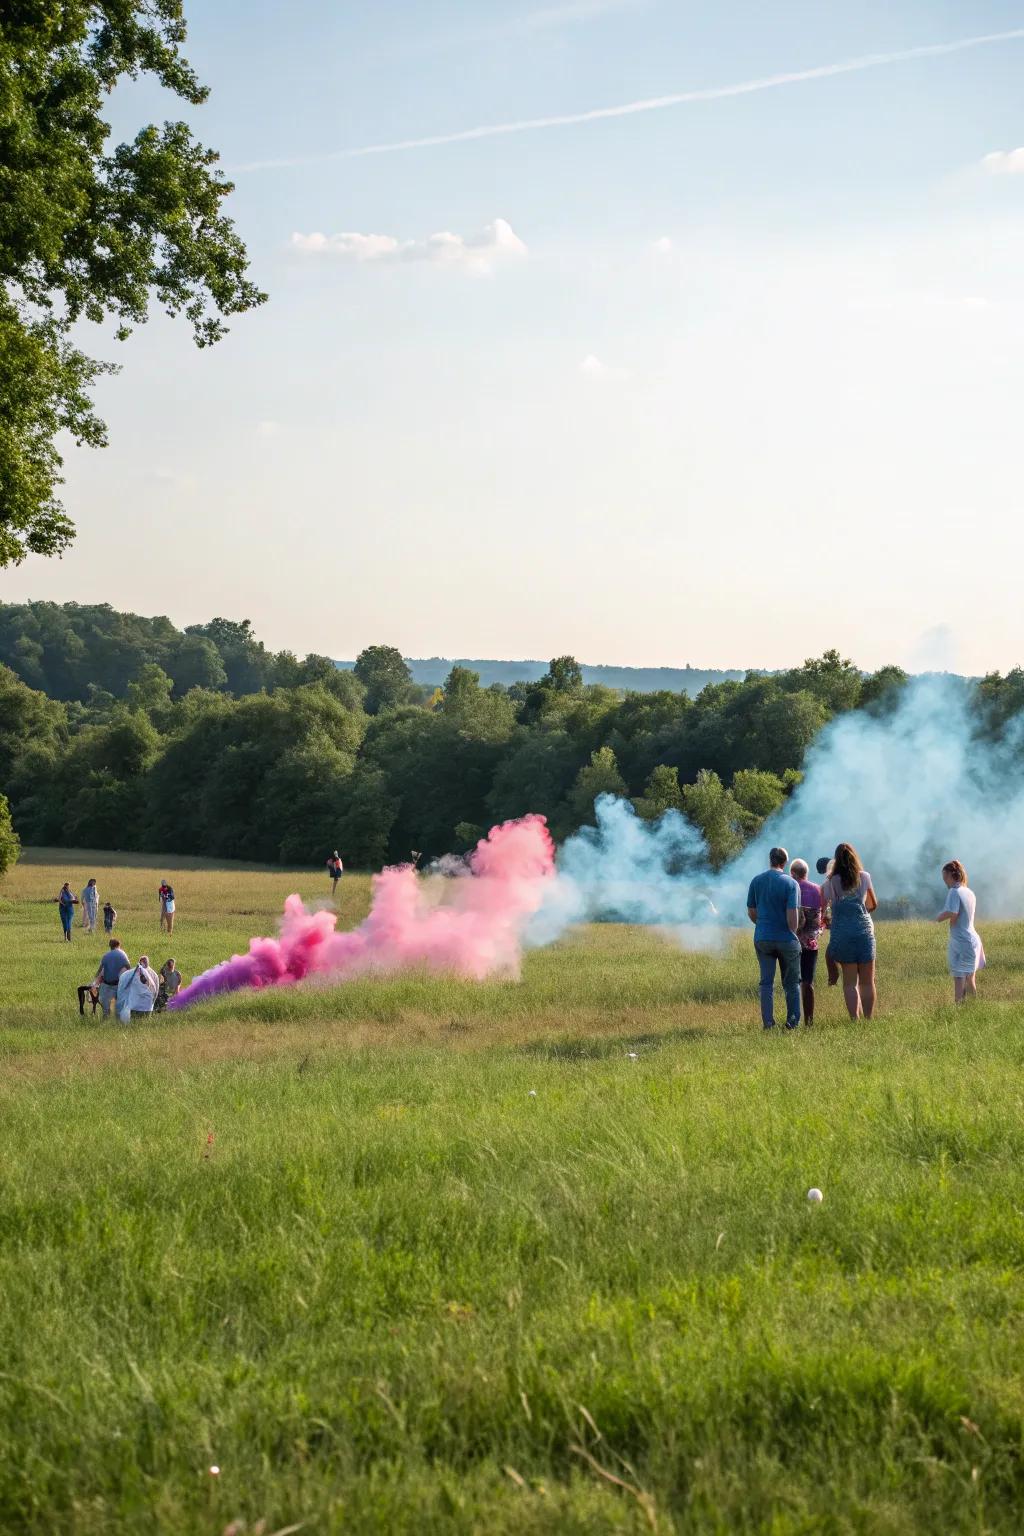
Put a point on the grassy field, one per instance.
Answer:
(424, 1256)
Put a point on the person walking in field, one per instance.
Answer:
(808, 931)
(966, 951)
(111, 968)
(335, 870)
(167, 905)
(90, 906)
(109, 917)
(773, 906)
(67, 901)
(850, 898)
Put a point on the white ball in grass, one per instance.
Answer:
(815, 1196)
(215, 1471)
(532, 1093)
(632, 1055)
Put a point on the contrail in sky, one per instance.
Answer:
(649, 104)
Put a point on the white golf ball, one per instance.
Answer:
(532, 1093)
(815, 1196)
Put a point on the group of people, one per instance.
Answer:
(790, 912)
(133, 992)
(89, 901)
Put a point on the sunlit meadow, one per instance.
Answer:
(421, 1255)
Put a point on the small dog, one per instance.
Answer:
(90, 992)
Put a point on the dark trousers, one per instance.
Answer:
(787, 955)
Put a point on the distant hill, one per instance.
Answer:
(433, 670)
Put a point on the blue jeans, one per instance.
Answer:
(787, 953)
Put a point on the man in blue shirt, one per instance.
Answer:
(113, 963)
(773, 906)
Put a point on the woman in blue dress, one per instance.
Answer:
(966, 951)
(849, 894)
(67, 901)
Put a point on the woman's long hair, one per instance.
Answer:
(847, 867)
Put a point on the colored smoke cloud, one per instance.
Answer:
(912, 783)
(653, 873)
(470, 926)
(910, 787)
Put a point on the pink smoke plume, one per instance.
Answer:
(475, 930)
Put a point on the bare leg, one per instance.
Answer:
(170, 922)
(866, 977)
(850, 991)
(971, 985)
(832, 968)
(959, 984)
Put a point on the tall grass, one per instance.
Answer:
(419, 1256)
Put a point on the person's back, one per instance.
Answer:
(773, 906)
(774, 894)
(113, 963)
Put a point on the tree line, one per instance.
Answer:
(279, 760)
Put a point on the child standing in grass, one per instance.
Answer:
(109, 917)
(966, 951)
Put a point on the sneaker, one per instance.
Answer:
(792, 1023)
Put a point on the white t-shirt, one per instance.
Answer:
(961, 900)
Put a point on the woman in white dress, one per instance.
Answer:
(966, 951)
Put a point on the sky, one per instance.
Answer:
(725, 381)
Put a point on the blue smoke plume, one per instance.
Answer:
(909, 787)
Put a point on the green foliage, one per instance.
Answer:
(10, 844)
(385, 676)
(716, 815)
(480, 714)
(757, 793)
(93, 233)
(29, 721)
(564, 675)
(600, 777)
(277, 758)
(832, 679)
(661, 793)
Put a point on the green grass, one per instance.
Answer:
(397, 1292)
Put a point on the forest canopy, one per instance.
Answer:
(123, 732)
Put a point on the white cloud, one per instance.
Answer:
(593, 368)
(268, 428)
(662, 247)
(479, 253)
(1004, 162)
